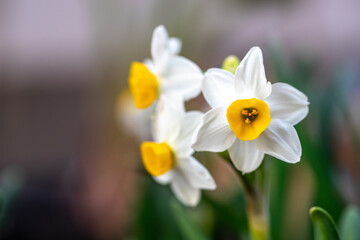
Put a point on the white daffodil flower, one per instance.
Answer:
(168, 159)
(249, 116)
(165, 74)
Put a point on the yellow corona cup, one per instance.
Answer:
(157, 157)
(144, 86)
(248, 118)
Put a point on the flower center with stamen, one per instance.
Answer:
(249, 115)
(143, 85)
(248, 118)
(157, 158)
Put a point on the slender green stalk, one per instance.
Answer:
(253, 185)
(257, 211)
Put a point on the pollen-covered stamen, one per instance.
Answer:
(249, 115)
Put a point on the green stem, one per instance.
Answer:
(257, 214)
(253, 185)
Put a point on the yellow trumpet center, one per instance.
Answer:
(157, 157)
(248, 118)
(143, 85)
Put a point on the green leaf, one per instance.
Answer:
(350, 223)
(186, 226)
(324, 225)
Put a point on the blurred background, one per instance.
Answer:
(69, 169)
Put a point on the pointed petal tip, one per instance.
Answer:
(214, 187)
(257, 48)
(160, 27)
(159, 32)
(243, 172)
(211, 71)
(193, 144)
(255, 51)
(281, 141)
(191, 204)
(296, 160)
(211, 186)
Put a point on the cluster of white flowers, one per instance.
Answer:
(249, 116)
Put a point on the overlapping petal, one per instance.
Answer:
(182, 143)
(150, 65)
(166, 123)
(187, 194)
(281, 141)
(218, 88)
(287, 103)
(134, 120)
(250, 79)
(196, 174)
(214, 134)
(159, 43)
(181, 76)
(245, 155)
(174, 46)
(165, 178)
(175, 127)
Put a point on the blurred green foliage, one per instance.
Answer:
(325, 228)
(11, 182)
(324, 225)
(186, 226)
(350, 224)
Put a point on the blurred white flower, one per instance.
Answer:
(249, 116)
(132, 119)
(168, 159)
(165, 74)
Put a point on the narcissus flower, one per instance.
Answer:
(168, 159)
(249, 116)
(166, 74)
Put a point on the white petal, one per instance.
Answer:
(196, 174)
(159, 43)
(287, 103)
(174, 46)
(166, 122)
(214, 134)
(182, 144)
(281, 141)
(245, 155)
(165, 178)
(187, 194)
(150, 65)
(219, 88)
(250, 79)
(181, 76)
(134, 120)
